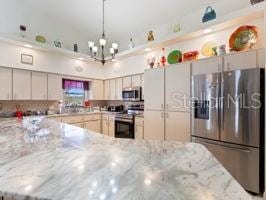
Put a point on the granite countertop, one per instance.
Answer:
(64, 162)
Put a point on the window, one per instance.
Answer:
(74, 92)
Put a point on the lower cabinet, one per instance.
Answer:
(93, 122)
(105, 127)
(139, 128)
(177, 126)
(154, 125)
(108, 125)
(160, 125)
(94, 125)
(139, 132)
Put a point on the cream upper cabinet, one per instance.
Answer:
(106, 90)
(112, 89)
(21, 85)
(118, 88)
(55, 91)
(154, 89)
(177, 126)
(177, 87)
(154, 125)
(127, 82)
(97, 90)
(207, 66)
(6, 83)
(38, 86)
(136, 81)
(243, 60)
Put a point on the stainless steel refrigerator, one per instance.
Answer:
(228, 119)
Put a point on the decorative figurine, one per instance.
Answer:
(76, 48)
(209, 15)
(151, 62)
(23, 30)
(214, 51)
(150, 36)
(131, 44)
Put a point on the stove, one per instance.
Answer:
(125, 122)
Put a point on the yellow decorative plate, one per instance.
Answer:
(207, 49)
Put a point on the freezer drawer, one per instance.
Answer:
(240, 161)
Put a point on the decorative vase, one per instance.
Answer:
(222, 50)
(176, 28)
(76, 49)
(23, 30)
(131, 44)
(151, 62)
(163, 58)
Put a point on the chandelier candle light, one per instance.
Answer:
(94, 49)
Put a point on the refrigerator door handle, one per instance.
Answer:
(224, 146)
(221, 103)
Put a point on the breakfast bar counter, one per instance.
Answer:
(55, 161)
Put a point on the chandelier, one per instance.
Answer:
(93, 50)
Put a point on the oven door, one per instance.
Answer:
(124, 128)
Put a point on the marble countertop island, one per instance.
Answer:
(63, 162)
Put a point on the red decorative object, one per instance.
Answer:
(87, 103)
(19, 113)
(163, 58)
(243, 38)
(192, 55)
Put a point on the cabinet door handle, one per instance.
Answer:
(167, 106)
(162, 115)
(162, 106)
(167, 115)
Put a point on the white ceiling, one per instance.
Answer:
(124, 18)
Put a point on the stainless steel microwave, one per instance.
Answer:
(132, 94)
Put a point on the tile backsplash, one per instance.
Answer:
(10, 106)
